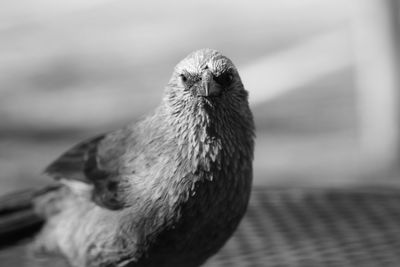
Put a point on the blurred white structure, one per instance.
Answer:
(377, 43)
(298, 65)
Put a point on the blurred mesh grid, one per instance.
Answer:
(316, 227)
(301, 228)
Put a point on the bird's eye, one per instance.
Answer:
(183, 78)
(225, 79)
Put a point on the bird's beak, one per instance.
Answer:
(208, 85)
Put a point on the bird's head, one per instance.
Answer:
(206, 102)
(207, 77)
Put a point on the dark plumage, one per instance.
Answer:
(166, 191)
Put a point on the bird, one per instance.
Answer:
(168, 190)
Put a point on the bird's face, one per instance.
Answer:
(205, 76)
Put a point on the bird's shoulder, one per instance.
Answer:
(98, 162)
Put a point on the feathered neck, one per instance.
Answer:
(196, 132)
(210, 136)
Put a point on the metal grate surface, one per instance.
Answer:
(300, 228)
(316, 227)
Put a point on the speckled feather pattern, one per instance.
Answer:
(167, 191)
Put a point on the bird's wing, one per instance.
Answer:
(71, 165)
(95, 162)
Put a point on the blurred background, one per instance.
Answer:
(322, 77)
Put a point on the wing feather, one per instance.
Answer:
(74, 163)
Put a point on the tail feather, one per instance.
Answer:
(18, 219)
